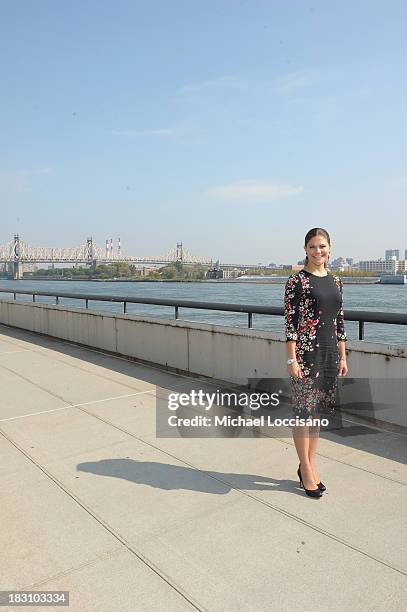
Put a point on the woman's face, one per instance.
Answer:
(317, 250)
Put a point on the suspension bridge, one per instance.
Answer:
(15, 253)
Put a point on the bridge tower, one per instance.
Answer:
(16, 269)
(180, 256)
(90, 252)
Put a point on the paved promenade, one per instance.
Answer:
(93, 503)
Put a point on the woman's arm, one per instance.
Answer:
(341, 337)
(340, 325)
(292, 297)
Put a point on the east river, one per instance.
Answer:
(371, 297)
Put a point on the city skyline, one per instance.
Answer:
(235, 127)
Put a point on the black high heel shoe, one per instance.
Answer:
(320, 485)
(311, 492)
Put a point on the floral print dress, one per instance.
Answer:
(314, 319)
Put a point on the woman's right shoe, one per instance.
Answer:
(311, 492)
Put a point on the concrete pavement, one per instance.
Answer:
(93, 503)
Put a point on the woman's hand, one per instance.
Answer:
(342, 367)
(295, 370)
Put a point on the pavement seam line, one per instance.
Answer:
(6, 339)
(106, 399)
(160, 574)
(82, 369)
(256, 499)
(356, 467)
(88, 372)
(105, 556)
(22, 351)
(34, 384)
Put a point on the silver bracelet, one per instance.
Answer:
(290, 361)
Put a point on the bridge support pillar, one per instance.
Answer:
(15, 270)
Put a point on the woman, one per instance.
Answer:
(315, 340)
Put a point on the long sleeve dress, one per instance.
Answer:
(314, 318)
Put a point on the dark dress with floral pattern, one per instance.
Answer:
(314, 319)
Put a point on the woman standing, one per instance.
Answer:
(315, 340)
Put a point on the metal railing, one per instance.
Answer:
(361, 316)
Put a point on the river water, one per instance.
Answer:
(373, 297)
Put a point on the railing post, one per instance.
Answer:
(57, 300)
(124, 307)
(176, 312)
(33, 297)
(250, 320)
(361, 330)
(87, 303)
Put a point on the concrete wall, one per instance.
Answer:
(222, 353)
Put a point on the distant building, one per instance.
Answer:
(390, 266)
(392, 253)
(338, 264)
(377, 265)
(215, 273)
(343, 265)
(231, 272)
(401, 266)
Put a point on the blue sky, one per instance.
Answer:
(232, 126)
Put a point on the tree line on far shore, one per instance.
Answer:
(177, 270)
(123, 271)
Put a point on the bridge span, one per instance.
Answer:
(16, 253)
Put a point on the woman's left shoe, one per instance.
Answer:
(320, 485)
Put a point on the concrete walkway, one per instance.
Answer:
(93, 503)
